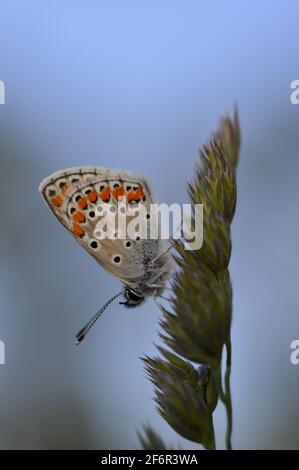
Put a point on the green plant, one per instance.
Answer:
(195, 328)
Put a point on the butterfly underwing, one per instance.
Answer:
(86, 200)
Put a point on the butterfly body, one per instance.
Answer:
(81, 197)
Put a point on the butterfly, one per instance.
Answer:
(86, 201)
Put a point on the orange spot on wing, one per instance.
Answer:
(138, 193)
(79, 217)
(119, 192)
(57, 201)
(130, 196)
(92, 197)
(82, 203)
(135, 195)
(77, 230)
(105, 194)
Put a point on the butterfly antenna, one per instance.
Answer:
(83, 332)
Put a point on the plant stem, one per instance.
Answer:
(211, 445)
(227, 396)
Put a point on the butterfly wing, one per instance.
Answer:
(76, 196)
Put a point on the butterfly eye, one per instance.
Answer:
(72, 210)
(117, 259)
(92, 214)
(137, 239)
(133, 296)
(128, 244)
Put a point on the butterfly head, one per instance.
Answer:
(132, 298)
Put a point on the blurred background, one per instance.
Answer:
(140, 85)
